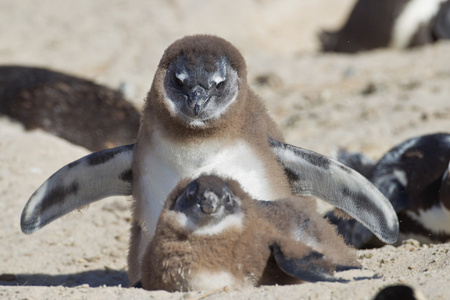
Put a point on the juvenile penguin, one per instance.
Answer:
(78, 110)
(414, 176)
(202, 117)
(212, 234)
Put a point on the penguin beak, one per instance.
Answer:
(198, 97)
(209, 203)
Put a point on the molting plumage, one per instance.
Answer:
(201, 116)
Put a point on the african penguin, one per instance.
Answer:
(390, 23)
(78, 110)
(202, 117)
(212, 234)
(414, 176)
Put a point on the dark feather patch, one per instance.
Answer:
(103, 156)
(127, 176)
(58, 193)
(86, 180)
(312, 267)
(52, 198)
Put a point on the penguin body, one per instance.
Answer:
(414, 177)
(78, 110)
(390, 23)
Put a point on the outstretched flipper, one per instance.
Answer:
(316, 175)
(107, 173)
(312, 267)
(91, 178)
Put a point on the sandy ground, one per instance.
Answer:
(366, 102)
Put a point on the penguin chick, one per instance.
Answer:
(414, 176)
(212, 234)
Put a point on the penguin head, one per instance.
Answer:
(197, 94)
(208, 202)
(201, 79)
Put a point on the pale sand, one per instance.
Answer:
(317, 99)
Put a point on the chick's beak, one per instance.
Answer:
(210, 202)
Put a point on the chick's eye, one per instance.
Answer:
(220, 85)
(191, 191)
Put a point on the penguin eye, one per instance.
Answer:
(191, 191)
(229, 200)
(228, 195)
(220, 85)
(178, 82)
(190, 196)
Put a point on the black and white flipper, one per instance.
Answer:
(86, 180)
(313, 267)
(316, 175)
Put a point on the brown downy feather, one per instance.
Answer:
(176, 256)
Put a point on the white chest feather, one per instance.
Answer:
(168, 162)
(213, 281)
(436, 219)
(415, 13)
